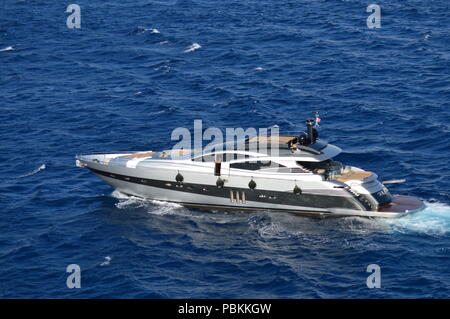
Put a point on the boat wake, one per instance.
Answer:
(161, 208)
(155, 207)
(128, 201)
(275, 230)
(164, 208)
(37, 170)
(433, 221)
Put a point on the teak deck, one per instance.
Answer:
(140, 155)
(359, 176)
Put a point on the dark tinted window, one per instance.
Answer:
(254, 166)
(326, 165)
(226, 157)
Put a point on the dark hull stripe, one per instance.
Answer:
(256, 195)
(246, 208)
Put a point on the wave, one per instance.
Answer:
(161, 208)
(275, 230)
(194, 46)
(10, 48)
(119, 195)
(141, 30)
(433, 221)
(106, 262)
(37, 170)
(155, 207)
(127, 201)
(165, 2)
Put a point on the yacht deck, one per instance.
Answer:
(349, 176)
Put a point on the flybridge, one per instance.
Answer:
(265, 141)
(289, 142)
(286, 144)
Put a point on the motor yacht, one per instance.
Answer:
(293, 173)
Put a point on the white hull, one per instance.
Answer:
(180, 196)
(294, 175)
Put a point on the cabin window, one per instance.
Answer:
(254, 166)
(225, 157)
(321, 167)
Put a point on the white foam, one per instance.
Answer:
(119, 195)
(165, 204)
(259, 68)
(127, 201)
(162, 208)
(10, 48)
(165, 208)
(106, 262)
(155, 207)
(37, 170)
(434, 220)
(143, 30)
(164, 68)
(194, 46)
(276, 231)
(131, 202)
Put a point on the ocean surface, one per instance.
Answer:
(136, 70)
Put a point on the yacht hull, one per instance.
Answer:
(200, 192)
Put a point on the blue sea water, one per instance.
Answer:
(138, 69)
